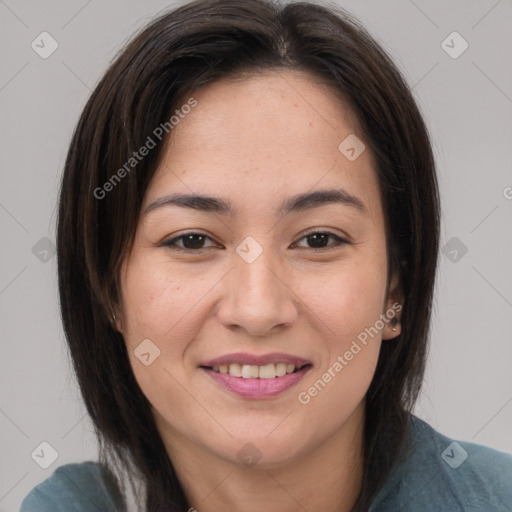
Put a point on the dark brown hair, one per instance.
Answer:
(195, 44)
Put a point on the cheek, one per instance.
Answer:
(346, 299)
(157, 298)
(348, 304)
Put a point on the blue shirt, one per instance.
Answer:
(436, 475)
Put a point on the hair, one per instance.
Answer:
(195, 44)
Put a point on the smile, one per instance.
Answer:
(256, 377)
(249, 371)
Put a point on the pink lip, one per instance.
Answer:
(244, 358)
(257, 388)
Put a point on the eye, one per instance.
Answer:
(319, 240)
(194, 242)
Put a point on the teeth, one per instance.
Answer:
(235, 370)
(267, 372)
(250, 371)
(281, 369)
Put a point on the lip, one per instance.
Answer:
(257, 388)
(255, 360)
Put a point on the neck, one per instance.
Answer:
(328, 478)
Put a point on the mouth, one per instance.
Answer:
(256, 377)
(250, 371)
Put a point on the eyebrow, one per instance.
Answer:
(297, 203)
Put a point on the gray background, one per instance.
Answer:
(467, 102)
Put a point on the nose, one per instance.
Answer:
(257, 297)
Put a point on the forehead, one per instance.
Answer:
(269, 109)
(261, 135)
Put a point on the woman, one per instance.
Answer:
(247, 246)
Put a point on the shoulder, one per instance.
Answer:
(81, 487)
(439, 473)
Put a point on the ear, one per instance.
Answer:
(115, 320)
(393, 308)
(117, 323)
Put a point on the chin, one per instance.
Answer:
(263, 453)
(273, 444)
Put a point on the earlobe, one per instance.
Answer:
(393, 326)
(395, 301)
(116, 322)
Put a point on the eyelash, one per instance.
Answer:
(171, 244)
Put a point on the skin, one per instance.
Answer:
(256, 141)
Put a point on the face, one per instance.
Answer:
(289, 294)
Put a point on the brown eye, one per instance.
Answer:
(318, 240)
(194, 242)
(191, 242)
